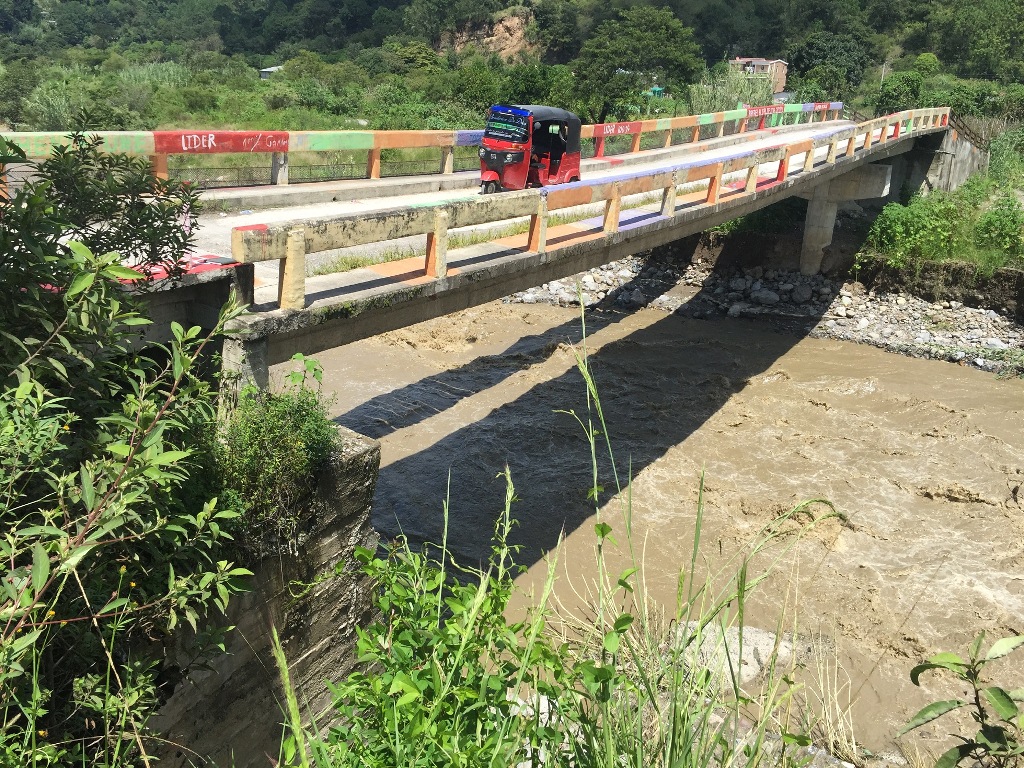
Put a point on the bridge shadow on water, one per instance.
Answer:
(659, 382)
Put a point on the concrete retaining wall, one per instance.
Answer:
(232, 714)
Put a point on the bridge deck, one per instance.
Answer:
(703, 190)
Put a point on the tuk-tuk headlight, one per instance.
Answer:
(508, 158)
(483, 152)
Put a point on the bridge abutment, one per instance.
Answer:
(937, 162)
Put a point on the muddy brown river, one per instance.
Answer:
(924, 458)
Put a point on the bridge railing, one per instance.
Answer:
(291, 241)
(161, 145)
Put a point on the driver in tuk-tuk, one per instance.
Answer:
(538, 145)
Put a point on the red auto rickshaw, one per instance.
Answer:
(528, 146)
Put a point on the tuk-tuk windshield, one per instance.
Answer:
(508, 125)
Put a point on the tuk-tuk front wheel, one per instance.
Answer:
(490, 187)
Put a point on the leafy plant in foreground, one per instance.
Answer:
(999, 742)
(109, 541)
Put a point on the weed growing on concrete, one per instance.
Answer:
(273, 446)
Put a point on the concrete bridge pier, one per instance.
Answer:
(248, 360)
(862, 183)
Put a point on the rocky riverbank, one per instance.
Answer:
(817, 305)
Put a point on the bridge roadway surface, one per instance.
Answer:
(214, 231)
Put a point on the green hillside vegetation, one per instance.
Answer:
(392, 64)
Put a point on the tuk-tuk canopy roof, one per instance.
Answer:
(545, 113)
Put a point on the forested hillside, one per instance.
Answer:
(404, 63)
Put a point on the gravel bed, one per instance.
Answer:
(815, 305)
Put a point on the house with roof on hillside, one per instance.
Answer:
(774, 69)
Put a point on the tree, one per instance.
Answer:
(900, 91)
(112, 533)
(643, 47)
(844, 53)
(558, 29)
(927, 64)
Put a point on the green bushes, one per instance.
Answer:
(999, 741)
(111, 537)
(273, 447)
(1001, 227)
(982, 222)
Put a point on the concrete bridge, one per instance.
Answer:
(705, 170)
(569, 228)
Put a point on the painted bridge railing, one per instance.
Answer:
(290, 242)
(160, 145)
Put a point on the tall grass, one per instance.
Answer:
(448, 680)
(156, 73)
(726, 90)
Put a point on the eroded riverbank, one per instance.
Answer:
(922, 456)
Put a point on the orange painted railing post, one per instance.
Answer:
(715, 185)
(636, 142)
(373, 164)
(159, 163)
(537, 240)
(437, 246)
(783, 167)
(696, 133)
(668, 138)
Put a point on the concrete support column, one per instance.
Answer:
(818, 228)
(279, 168)
(245, 362)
